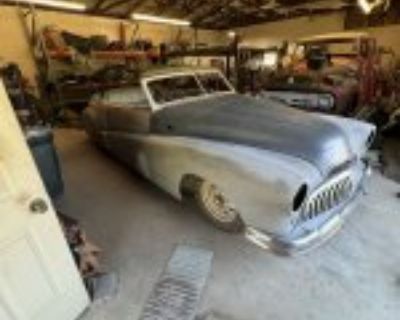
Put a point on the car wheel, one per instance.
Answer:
(217, 208)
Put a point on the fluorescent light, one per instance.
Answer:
(57, 4)
(155, 19)
(365, 6)
(368, 5)
(270, 59)
(231, 34)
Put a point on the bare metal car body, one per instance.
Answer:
(291, 175)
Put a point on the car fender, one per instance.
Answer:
(360, 134)
(261, 184)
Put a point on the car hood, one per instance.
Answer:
(244, 120)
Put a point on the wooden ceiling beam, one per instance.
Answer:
(98, 4)
(212, 10)
(133, 6)
(213, 14)
(194, 8)
(112, 5)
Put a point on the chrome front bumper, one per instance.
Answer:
(309, 241)
(312, 238)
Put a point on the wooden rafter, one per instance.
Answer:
(112, 5)
(241, 13)
(133, 6)
(213, 8)
(97, 5)
(212, 14)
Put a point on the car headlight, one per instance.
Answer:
(370, 140)
(300, 197)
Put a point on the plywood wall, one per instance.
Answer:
(388, 36)
(271, 34)
(14, 46)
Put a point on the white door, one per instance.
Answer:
(38, 278)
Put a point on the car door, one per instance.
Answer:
(38, 277)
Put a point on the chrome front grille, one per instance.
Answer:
(328, 197)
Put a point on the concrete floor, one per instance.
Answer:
(354, 276)
(391, 157)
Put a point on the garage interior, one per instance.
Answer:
(124, 231)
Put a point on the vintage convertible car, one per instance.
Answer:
(283, 177)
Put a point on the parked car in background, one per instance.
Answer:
(283, 177)
(333, 73)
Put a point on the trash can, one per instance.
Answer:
(40, 141)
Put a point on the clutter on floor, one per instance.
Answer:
(86, 254)
(100, 284)
(102, 287)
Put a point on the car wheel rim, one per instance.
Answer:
(216, 204)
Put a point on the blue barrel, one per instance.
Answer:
(40, 141)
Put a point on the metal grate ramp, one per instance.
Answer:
(177, 293)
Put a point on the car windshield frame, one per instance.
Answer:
(195, 74)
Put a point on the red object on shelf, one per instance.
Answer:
(104, 55)
(60, 54)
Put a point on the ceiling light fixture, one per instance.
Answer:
(59, 4)
(231, 34)
(155, 19)
(367, 6)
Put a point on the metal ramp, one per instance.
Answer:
(177, 293)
